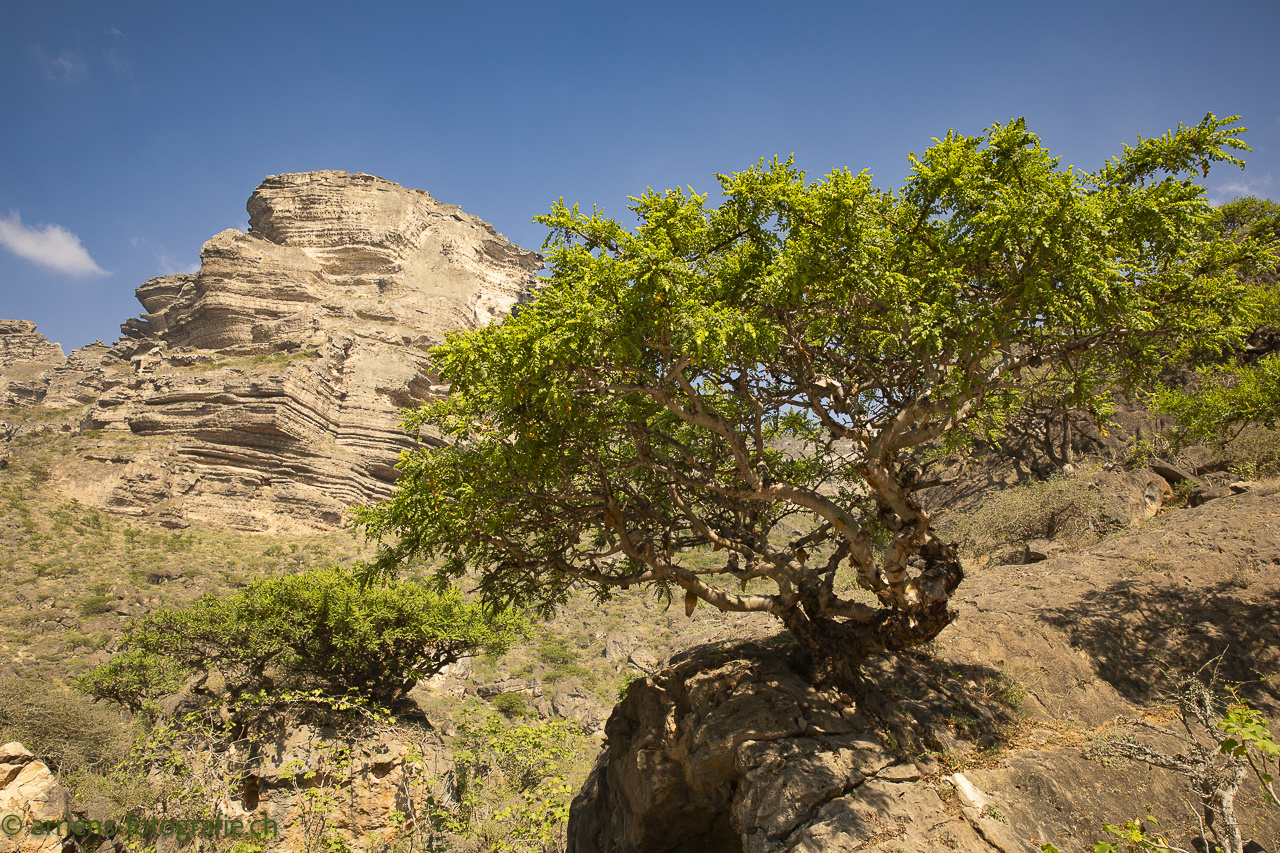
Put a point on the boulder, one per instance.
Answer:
(29, 792)
(1172, 473)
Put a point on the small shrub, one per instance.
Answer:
(39, 471)
(511, 705)
(1010, 691)
(553, 651)
(1142, 452)
(322, 629)
(1058, 508)
(133, 678)
(628, 678)
(511, 783)
(97, 605)
(63, 729)
(1254, 452)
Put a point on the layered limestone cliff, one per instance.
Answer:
(263, 391)
(25, 355)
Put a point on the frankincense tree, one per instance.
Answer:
(640, 410)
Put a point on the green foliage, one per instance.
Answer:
(1247, 737)
(96, 605)
(1133, 836)
(1011, 692)
(1244, 389)
(640, 410)
(317, 629)
(553, 650)
(510, 783)
(202, 755)
(628, 678)
(1228, 399)
(511, 704)
(1249, 215)
(134, 678)
(1141, 453)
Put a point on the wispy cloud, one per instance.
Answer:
(1254, 186)
(66, 67)
(166, 263)
(170, 265)
(119, 63)
(51, 246)
(116, 58)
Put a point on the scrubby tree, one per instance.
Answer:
(1241, 386)
(731, 403)
(313, 630)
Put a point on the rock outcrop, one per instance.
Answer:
(329, 252)
(25, 355)
(995, 741)
(263, 392)
(30, 799)
(20, 342)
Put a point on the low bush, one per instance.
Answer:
(1061, 508)
(314, 630)
(63, 729)
(510, 784)
(511, 704)
(97, 605)
(134, 678)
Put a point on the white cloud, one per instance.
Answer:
(166, 263)
(51, 246)
(66, 66)
(170, 265)
(1233, 189)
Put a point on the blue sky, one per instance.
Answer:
(131, 132)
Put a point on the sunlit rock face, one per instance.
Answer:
(330, 251)
(268, 386)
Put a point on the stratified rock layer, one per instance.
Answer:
(268, 385)
(25, 354)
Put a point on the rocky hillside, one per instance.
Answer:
(263, 392)
(1001, 738)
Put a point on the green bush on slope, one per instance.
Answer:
(314, 630)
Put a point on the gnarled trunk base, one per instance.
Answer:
(838, 646)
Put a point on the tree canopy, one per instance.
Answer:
(731, 403)
(318, 629)
(1241, 386)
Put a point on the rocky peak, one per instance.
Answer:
(330, 250)
(19, 342)
(265, 389)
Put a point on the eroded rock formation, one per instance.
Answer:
(264, 391)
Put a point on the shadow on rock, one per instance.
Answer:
(1139, 632)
